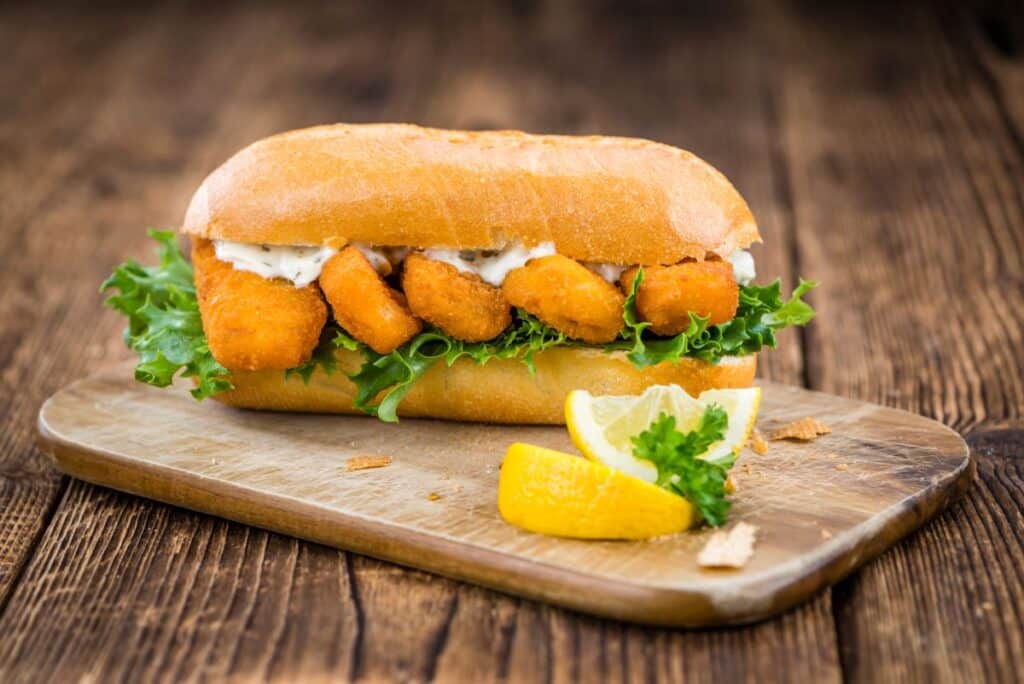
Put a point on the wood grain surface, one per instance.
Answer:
(881, 151)
(821, 508)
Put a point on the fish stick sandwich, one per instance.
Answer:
(403, 271)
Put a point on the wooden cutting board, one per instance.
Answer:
(822, 508)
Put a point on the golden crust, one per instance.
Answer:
(364, 305)
(568, 296)
(499, 392)
(460, 304)
(668, 294)
(614, 200)
(251, 322)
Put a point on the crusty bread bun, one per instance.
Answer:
(502, 391)
(602, 199)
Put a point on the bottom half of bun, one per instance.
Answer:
(501, 391)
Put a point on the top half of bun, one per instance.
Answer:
(603, 199)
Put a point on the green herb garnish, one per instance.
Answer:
(680, 468)
(164, 327)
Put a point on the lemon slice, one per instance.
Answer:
(602, 427)
(550, 492)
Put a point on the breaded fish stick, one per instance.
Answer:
(460, 304)
(251, 322)
(364, 305)
(567, 296)
(669, 293)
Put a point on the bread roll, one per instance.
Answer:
(601, 199)
(502, 391)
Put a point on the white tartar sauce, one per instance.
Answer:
(301, 265)
(492, 269)
(376, 257)
(610, 272)
(742, 266)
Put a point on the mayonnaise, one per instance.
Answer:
(377, 258)
(610, 272)
(301, 265)
(492, 269)
(742, 266)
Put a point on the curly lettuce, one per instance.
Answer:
(164, 327)
(389, 377)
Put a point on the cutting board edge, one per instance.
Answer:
(666, 606)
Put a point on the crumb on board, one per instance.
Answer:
(757, 442)
(805, 429)
(984, 607)
(825, 534)
(729, 549)
(842, 466)
(434, 496)
(366, 462)
(730, 485)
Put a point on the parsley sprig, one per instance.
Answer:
(676, 455)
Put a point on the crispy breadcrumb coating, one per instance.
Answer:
(669, 293)
(364, 305)
(253, 323)
(460, 304)
(567, 296)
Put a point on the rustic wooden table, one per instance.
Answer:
(882, 151)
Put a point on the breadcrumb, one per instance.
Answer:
(758, 443)
(366, 462)
(729, 549)
(805, 429)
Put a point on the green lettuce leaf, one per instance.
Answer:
(164, 327)
(394, 374)
(676, 455)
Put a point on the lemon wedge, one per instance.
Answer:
(602, 427)
(550, 492)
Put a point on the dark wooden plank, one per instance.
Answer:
(79, 195)
(906, 173)
(33, 313)
(137, 573)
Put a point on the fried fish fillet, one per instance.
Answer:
(251, 322)
(364, 305)
(668, 294)
(460, 304)
(567, 296)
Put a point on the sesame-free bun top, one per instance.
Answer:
(602, 199)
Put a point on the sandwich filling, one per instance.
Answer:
(244, 307)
